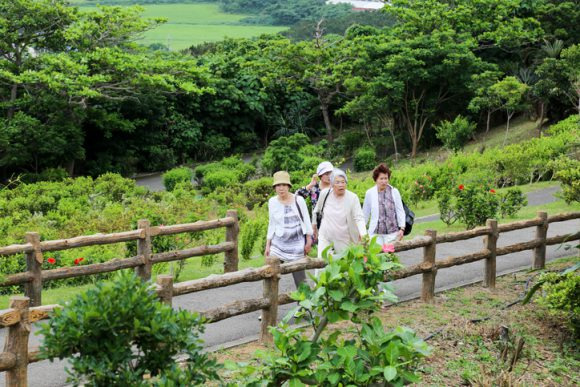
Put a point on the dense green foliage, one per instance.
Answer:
(348, 289)
(365, 158)
(283, 12)
(117, 332)
(90, 102)
(561, 295)
(175, 176)
(455, 134)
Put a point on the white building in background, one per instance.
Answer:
(361, 5)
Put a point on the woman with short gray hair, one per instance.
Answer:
(342, 219)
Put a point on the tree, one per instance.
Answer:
(456, 133)
(484, 99)
(571, 58)
(509, 93)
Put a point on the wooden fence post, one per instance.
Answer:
(541, 233)
(270, 313)
(231, 257)
(17, 343)
(34, 259)
(490, 243)
(429, 252)
(166, 292)
(144, 249)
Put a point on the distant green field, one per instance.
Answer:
(190, 24)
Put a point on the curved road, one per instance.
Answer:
(246, 327)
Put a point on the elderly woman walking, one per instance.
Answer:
(384, 206)
(320, 181)
(289, 229)
(342, 221)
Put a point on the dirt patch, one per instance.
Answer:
(475, 336)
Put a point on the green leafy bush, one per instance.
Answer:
(567, 171)
(422, 189)
(284, 153)
(177, 175)
(117, 332)
(348, 289)
(469, 204)
(365, 159)
(454, 134)
(561, 295)
(511, 202)
(257, 192)
(250, 233)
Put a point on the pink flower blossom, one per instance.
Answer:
(388, 248)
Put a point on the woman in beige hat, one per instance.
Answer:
(289, 229)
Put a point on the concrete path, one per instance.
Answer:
(246, 327)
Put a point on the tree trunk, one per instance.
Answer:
(543, 109)
(507, 127)
(487, 122)
(395, 145)
(327, 124)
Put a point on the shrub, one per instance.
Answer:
(511, 202)
(455, 134)
(257, 192)
(177, 175)
(118, 331)
(220, 178)
(348, 289)
(470, 204)
(284, 153)
(422, 189)
(250, 233)
(567, 170)
(364, 159)
(561, 295)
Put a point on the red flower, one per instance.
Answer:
(51, 260)
(388, 248)
(78, 260)
(461, 187)
(365, 259)
(492, 191)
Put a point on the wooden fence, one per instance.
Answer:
(16, 356)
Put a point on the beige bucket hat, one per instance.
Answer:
(281, 177)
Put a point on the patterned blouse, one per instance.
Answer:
(313, 194)
(387, 216)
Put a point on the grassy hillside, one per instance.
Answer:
(190, 24)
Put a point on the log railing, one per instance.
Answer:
(16, 356)
(143, 262)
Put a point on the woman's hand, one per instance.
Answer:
(312, 182)
(400, 235)
(308, 245)
(267, 252)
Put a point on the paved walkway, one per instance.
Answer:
(245, 327)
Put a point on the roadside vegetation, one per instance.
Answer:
(474, 334)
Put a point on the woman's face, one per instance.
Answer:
(382, 181)
(282, 189)
(339, 185)
(325, 177)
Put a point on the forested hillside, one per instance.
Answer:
(77, 93)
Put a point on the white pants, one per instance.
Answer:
(386, 238)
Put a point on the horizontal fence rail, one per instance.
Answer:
(17, 319)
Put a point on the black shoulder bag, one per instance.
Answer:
(319, 214)
(409, 219)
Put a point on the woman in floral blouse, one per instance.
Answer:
(312, 190)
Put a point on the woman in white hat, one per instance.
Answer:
(342, 219)
(320, 181)
(289, 229)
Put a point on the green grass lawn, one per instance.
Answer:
(191, 24)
